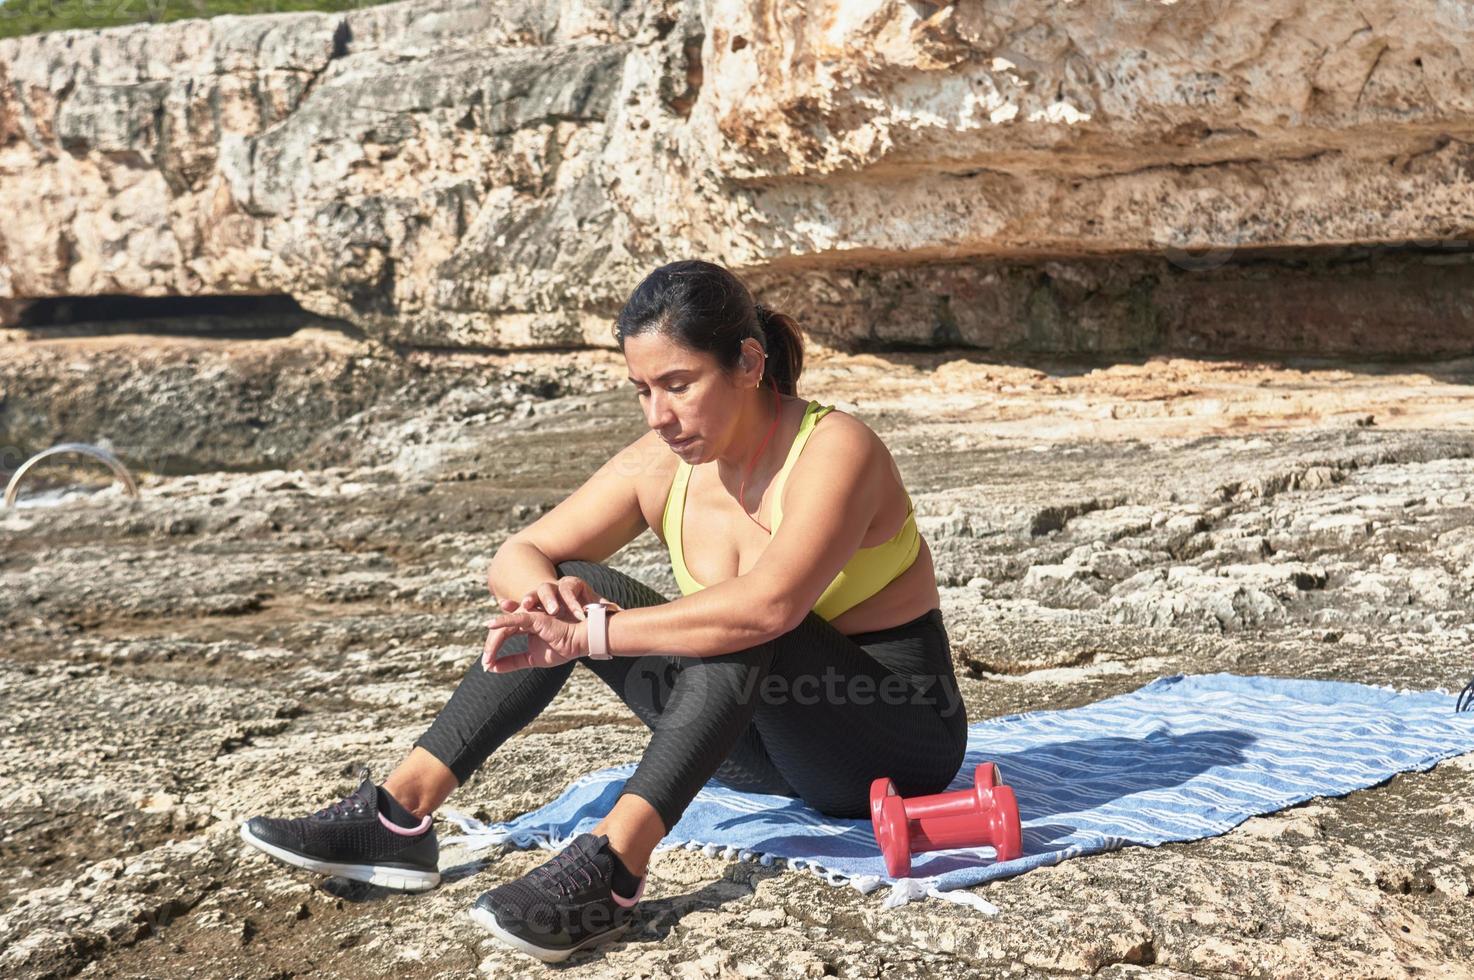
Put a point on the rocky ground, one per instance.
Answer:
(239, 641)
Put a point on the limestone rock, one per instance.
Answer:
(237, 642)
(450, 174)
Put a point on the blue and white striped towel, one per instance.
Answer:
(1183, 758)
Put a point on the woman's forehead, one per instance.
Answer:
(655, 356)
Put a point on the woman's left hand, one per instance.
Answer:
(550, 641)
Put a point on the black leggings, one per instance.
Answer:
(814, 713)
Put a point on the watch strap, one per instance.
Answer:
(598, 630)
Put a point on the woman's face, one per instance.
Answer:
(687, 398)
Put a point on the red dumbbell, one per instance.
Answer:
(987, 813)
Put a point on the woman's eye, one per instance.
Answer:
(677, 391)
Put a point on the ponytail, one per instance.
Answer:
(784, 345)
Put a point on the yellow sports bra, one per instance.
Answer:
(869, 571)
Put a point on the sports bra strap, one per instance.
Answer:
(805, 429)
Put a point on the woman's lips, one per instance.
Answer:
(681, 444)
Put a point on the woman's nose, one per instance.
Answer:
(657, 412)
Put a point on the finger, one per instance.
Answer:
(508, 605)
(529, 601)
(582, 591)
(570, 592)
(511, 662)
(488, 651)
(549, 593)
(496, 638)
(593, 596)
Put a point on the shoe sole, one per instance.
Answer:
(488, 921)
(399, 879)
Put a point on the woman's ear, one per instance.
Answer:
(752, 356)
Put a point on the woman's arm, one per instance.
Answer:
(713, 621)
(722, 618)
(729, 616)
(518, 568)
(833, 500)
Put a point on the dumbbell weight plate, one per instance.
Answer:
(896, 844)
(1007, 830)
(985, 776)
(892, 832)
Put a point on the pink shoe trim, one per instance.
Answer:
(391, 826)
(629, 903)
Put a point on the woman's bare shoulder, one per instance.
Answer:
(846, 431)
(840, 434)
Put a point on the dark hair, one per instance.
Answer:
(706, 308)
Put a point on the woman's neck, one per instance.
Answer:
(757, 420)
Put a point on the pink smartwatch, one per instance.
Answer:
(598, 619)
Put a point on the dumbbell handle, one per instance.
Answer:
(939, 833)
(975, 798)
(958, 802)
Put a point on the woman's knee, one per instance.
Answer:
(611, 583)
(591, 572)
(729, 677)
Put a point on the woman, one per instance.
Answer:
(806, 656)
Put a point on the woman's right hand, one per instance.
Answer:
(564, 598)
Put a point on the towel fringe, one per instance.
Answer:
(476, 836)
(902, 890)
(909, 889)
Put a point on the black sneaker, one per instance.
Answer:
(353, 838)
(562, 906)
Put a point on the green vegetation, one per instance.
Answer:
(35, 16)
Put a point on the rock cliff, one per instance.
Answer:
(1098, 175)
